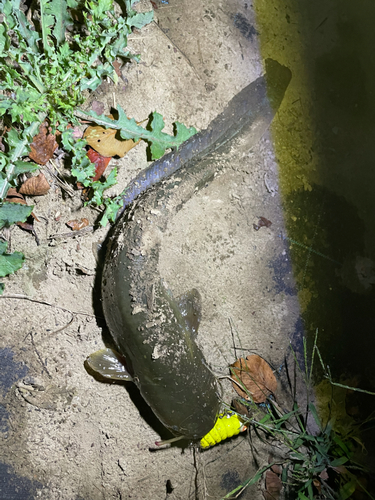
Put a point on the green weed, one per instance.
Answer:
(50, 58)
(318, 464)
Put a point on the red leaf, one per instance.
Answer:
(101, 162)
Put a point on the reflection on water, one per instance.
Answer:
(325, 142)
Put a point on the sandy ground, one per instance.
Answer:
(63, 434)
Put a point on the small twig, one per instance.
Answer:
(43, 302)
(59, 178)
(38, 355)
(88, 229)
(63, 327)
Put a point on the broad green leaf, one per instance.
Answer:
(59, 9)
(98, 8)
(9, 262)
(340, 443)
(112, 206)
(23, 167)
(129, 129)
(3, 40)
(338, 461)
(348, 489)
(139, 20)
(99, 187)
(7, 8)
(29, 35)
(13, 212)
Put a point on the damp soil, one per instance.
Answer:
(65, 435)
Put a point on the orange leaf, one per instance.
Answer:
(101, 162)
(105, 142)
(256, 375)
(77, 224)
(43, 146)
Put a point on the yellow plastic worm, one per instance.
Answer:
(228, 424)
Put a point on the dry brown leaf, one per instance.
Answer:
(77, 224)
(256, 375)
(43, 146)
(273, 486)
(13, 196)
(324, 475)
(262, 222)
(104, 141)
(35, 186)
(277, 469)
(317, 485)
(240, 407)
(117, 67)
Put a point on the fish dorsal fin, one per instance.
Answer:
(109, 364)
(190, 305)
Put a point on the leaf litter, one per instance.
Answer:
(50, 58)
(253, 378)
(106, 143)
(43, 146)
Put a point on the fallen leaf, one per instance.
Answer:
(13, 196)
(104, 141)
(256, 375)
(77, 224)
(43, 146)
(317, 485)
(277, 469)
(273, 486)
(100, 162)
(35, 186)
(240, 407)
(324, 475)
(98, 107)
(340, 469)
(117, 67)
(262, 222)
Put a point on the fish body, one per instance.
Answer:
(152, 330)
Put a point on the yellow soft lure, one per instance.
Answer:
(228, 424)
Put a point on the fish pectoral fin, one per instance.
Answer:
(109, 364)
(190, 305)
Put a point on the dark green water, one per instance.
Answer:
(325, 146)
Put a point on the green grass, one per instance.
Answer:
(321, 460)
